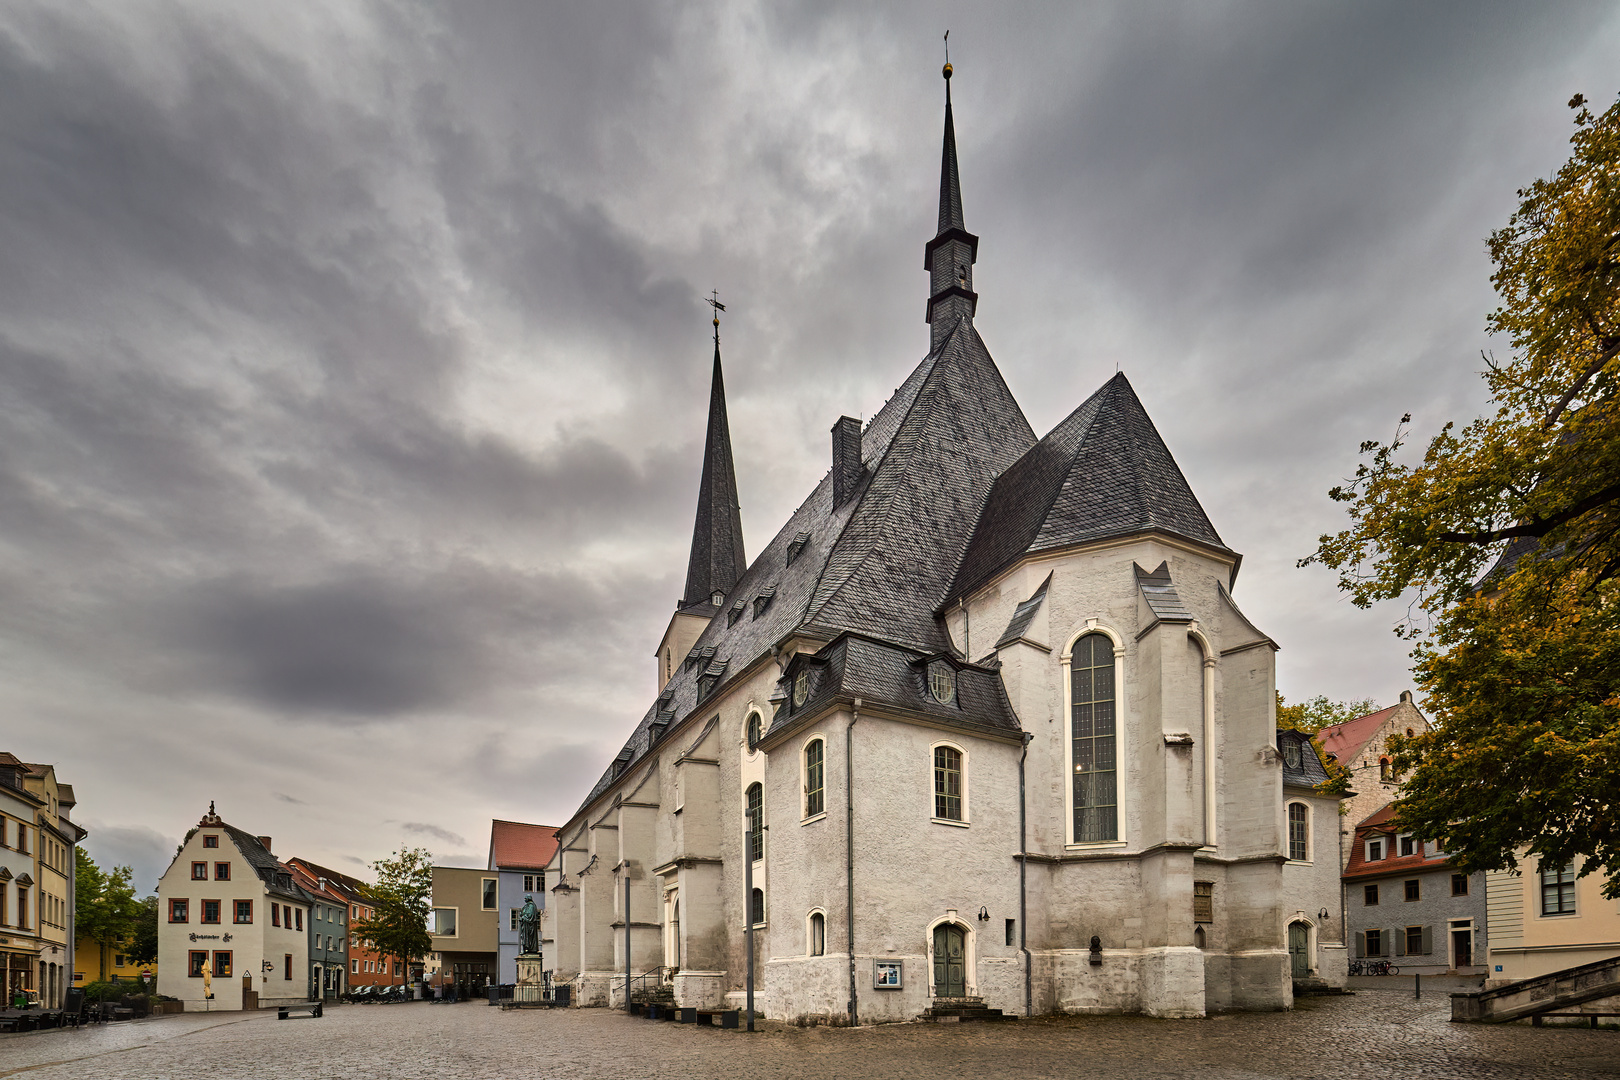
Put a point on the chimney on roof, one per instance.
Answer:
(265, 840)
(846, 469)
(322, 883)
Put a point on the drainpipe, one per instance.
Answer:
(849, 852)
(1023, 868)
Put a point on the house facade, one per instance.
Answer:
(367, 967)
(982, 720)
(1544, 918)
(231, 922)
(1408, 905)
(54, 891)
(328, 932)
(463, 927)
(23, 970)
(1361, 747)
(518, 854)
(1316, 922)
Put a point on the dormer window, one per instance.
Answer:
(1291, 753)
(942, 682)
(1375, 849)
(736, 612)
(717, 598)
(796, 546)
(801, 688)
(763, 600)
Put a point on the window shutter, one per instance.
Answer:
(1428, 942)
(1400, 943)
(1361, 943)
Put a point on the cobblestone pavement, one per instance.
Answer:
(1369, 1035)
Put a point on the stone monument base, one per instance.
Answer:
(531, 981)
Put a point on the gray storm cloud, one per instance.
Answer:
(353, 365)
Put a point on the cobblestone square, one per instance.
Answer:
(1373, 1034)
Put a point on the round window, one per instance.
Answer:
(942, 682)
(801, 688)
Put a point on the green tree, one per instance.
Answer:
(106, 910)
(399, 901)
(143, 945)
(1314, 715)
(1507, 533)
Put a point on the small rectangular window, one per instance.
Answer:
(244, 911)
(1409, 845)
(300, 913)
(1375, 850)
(195, 961)
(1459, 884)
(1558, 891)
(1375, 943)
(1415, 940)
(354, 967)
(210, 841)
(286, 967)
(489, 894)
(1012, 931)
(199, 871)
(210, 911)
(813, 777)
(178, 910)
(222, 871)
(528, 882)
(1203, 901)
(1412, 889)
(1369, 895)
(275, 914)
(222, 964)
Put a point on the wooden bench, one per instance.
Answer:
(313, 1008)
(728, 1017)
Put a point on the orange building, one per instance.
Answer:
(366, 966)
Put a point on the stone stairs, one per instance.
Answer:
(1541, 995)
(961, 1010)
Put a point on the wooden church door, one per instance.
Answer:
(950, 961)
(1299, 943)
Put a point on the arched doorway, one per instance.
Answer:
(950, 961)
(1299, 949)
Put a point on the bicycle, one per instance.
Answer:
(1373, 967)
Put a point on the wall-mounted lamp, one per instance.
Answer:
(984, 915)
(1323, 914)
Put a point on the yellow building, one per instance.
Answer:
(53, 895)
(94, 962)
(1542, 919)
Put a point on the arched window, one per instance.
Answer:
(814, 793)
(1092, 730)
(1383, 769)
(756, 907)
(756, 822)
(948, 783)
(1299, 832)
(818, 934)
(756, 728)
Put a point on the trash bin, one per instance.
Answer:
(494, 994)
(565, 996)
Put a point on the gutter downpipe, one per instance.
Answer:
(849, 852)
(1023, 891)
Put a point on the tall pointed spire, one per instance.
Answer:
(950, 255)
(717, 541)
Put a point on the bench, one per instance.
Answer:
(728, 1017)
(313, 1008)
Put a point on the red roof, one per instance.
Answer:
(517, 845)
(1344, 741)
(1382, 823)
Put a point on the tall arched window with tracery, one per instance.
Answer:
(1094, 740)
(756, 822)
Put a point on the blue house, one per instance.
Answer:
(518, 853)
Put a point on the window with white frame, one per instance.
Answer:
(1558, 890)
(814, 778)
(756, 822)
(1375, 849)
(947, 783)
(1299, 832)
(1094, 740)
(1409, 845)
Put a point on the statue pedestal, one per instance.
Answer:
(531, 980)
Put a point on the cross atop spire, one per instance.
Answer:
(717, 542)
(950, 255)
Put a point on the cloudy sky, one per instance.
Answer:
(353, 359)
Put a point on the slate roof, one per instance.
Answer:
(521, 846)
(883, 674)
(1103, 471)
(1309, 772)
(277, 878)
(717, 559)
(1161, 596)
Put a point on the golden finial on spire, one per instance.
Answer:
(947, 71)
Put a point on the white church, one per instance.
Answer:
(981, 728)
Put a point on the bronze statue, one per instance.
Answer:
(529, 928)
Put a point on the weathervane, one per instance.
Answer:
(713, 300)
(947, 71)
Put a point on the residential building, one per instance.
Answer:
(19, 880)
(230, 917)
(328, 932)
(1546, 918)
(1406, 902)
(95, 962)
(1361, 747)
(54, 899)
(982, 720)
(466, 914)
(518, 854)
(1311, 893)
(367, 967)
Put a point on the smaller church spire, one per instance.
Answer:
(950, 255)
(717, 542)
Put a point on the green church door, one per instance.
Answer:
(950, 961)
(1299, 943)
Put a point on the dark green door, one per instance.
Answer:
(1299, 943)
(950, 961)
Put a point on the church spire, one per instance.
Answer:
(717, 541)
(950, 255)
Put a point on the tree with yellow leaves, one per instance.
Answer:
(1508, 533)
